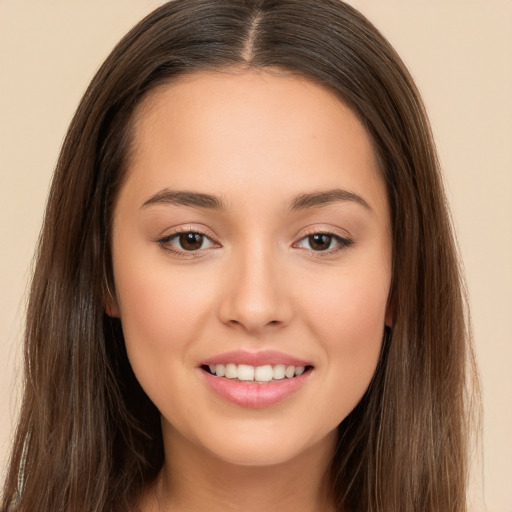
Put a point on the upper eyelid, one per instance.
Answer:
(165, 243)
(188, 229)
(206, 233)
(345, 237)
(344, 240)
(326, 231)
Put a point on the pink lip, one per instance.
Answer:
(259, 358)
(253, 394)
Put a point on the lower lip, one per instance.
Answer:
(254, 394)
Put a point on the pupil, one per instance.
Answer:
(320, 242)
(191, 241)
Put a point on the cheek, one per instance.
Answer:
(162, 313)
(351, 308)
(349, 322)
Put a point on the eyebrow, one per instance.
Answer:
(210, 202)
(185, 198)
(324, 198)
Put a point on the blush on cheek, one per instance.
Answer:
(352, 330)
(359, 310)
(162, 313)
(155, 298)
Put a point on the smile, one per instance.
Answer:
(256, 379)
(259, 374)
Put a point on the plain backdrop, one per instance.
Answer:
(460, 53)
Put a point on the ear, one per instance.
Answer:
(389, 319)
(111, 306)
(112, 311)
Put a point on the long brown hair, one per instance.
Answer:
(88, 437)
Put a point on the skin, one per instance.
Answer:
(256, 140)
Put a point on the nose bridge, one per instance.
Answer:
(254, 295)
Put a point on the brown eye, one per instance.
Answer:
(320, 241)
(191, 241)
(324, 243)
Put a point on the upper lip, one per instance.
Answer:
(259, 358)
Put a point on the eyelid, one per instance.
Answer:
(343, 241)
(164, 242)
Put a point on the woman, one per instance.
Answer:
(246, 292)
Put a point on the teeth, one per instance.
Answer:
(231, 371)
(245, 372)
(279, 370)
(266, 373)
(290, 371)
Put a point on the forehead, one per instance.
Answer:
(235, 127)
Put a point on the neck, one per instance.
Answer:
(193, 479)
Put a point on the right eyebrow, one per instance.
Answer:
(324, 198)
(185, 198)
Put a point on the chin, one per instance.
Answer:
(266, 447)
(244, 456)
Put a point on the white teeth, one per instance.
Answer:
(290, 371)
(279, 371)
(231, 371)
(265, 373)
(245, 372)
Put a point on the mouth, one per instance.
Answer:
(255, 379)
(256, 374)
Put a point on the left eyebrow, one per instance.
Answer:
(185, 198)
(324, 198)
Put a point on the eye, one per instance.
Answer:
(323, 242)
(186, 241)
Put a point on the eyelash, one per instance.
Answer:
(343, 243)
(165, 241)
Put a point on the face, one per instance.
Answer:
(251, 256)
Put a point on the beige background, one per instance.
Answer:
(459, 51)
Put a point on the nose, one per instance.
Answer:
(255, 294)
